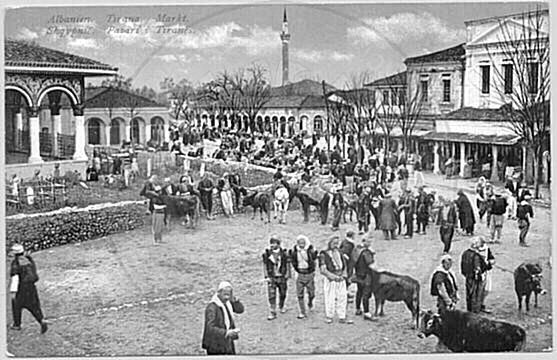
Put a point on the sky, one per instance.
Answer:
(334, 42)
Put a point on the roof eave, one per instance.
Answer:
(62, 70)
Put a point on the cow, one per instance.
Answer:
(462, 331)
(386, 285)
(181, 207)
(527, 280)
(259, 200)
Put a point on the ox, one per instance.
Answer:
(392, 287)
(462, 331)
(527, 280)
(181, 207)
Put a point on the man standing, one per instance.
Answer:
(338, 205)
(447, 221)
(23, 273)
(489, 261)
(465, 213)
(407, 206)
(364, 258)
(303, 258)
(512, 186)
(333, 267)
(524, 212)
(498, 210)
(220, 331)
(225, 189)
(423, 206)
(364, 204)
(205, 188)
(387, 217)
(347, 247)
(152, 190)
(473, 268)
(443, 285)
(277, 272)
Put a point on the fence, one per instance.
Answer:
(38, 194)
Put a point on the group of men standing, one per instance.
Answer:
(476, 263)
(341, 263)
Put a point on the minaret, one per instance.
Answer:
(285, 37)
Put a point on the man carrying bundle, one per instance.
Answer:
(23, 273)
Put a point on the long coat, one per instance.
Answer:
(465, 211)
(214, 340)
(388, 214)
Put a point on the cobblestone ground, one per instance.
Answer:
(121, 295)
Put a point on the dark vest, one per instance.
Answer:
(311, 259)
(362, 268)
(441, 277)
(328, 262)
(271, 266)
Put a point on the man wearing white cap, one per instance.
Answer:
(220, 331)
(303, 259)
(443, 285)
(23, 273)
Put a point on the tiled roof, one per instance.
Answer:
(21, 53)
(313, 101)
(454, 53)
(287, 101)
(392, 80)
(117, 98)
(471, 113)
(303, 87)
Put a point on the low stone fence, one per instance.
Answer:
(70, 225)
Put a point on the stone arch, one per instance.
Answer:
(259, 123)
(267, 125)
(94, 129)
(137, 130)
(245, 123)
(304, 122)
(26, 95)
(71, 95)
(282, 129)
(291, 126)
(317, 123)
(157, 130)
(212, 120)
(116, 131)
(204, 119)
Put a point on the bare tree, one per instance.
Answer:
(183, 98)
(387, 117)
(255, 92)
(340, 114)
(523, 82)
(410, 107)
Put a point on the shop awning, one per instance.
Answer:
(506, 140)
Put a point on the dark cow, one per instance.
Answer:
(527, 280)
(392, 287)
(463, 331)
(259, 200)
(181, 207)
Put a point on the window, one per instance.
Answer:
(446, 90)
(386, 97)
(484, 70)
(394, 97)
(424, 90)
(317, 123)
(508, 73)
(402, 97)
(533, 78)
